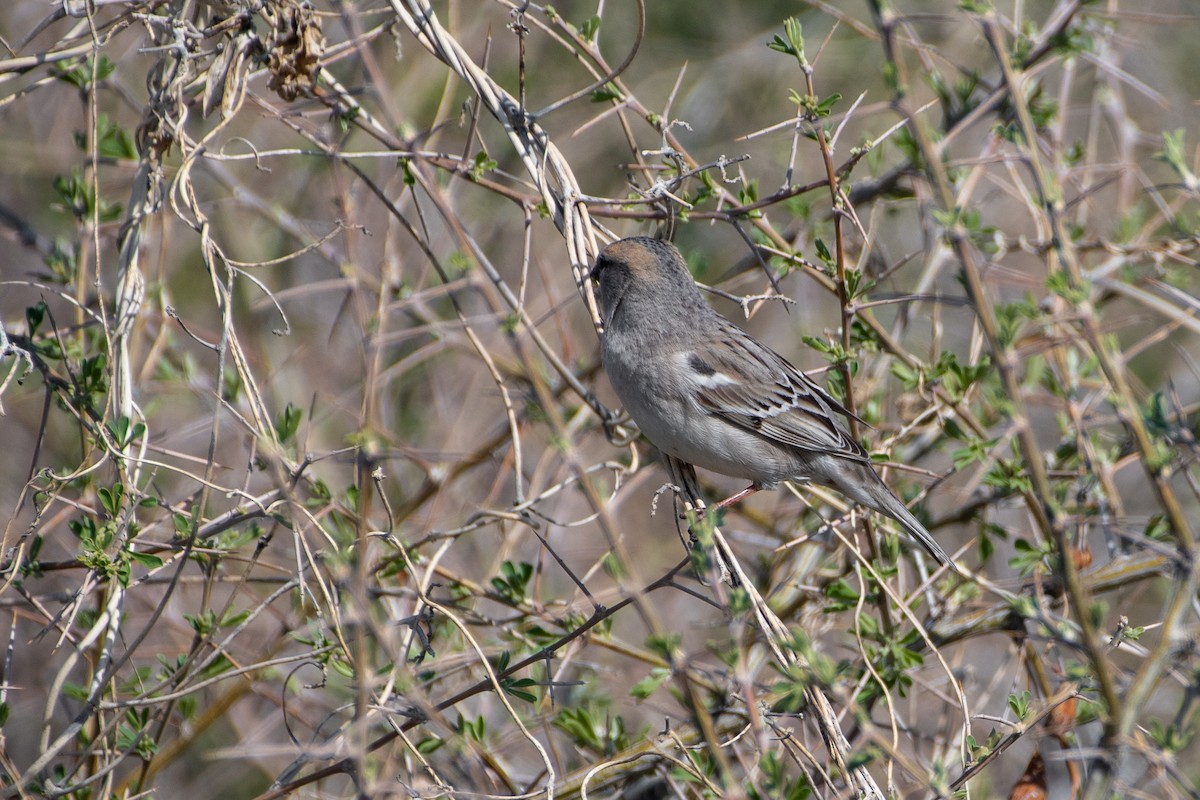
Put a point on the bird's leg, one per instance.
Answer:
(736, 498)
(713, 549)
(728, 501)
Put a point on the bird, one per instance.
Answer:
(704, 391)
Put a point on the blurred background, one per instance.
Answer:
(309, 443)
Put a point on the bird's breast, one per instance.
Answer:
(661, 400)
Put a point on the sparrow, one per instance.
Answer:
(706, 392)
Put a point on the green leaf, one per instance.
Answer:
(589, 29)
(1030, 559)
(233, 618)
(823, 253)
(862, 757)
(480, 164)
(976, 451)
(74, 691)
(516, 688)
(1169, 738)
(605, 93)
(79, 198)
(288, 422)
(513, 580)
(1175, 154)
(34, 315)
(112, 141)
(841, 594)
(792, 41)
(981, 751)
(80, 72)
(148, 560)
(665, 645)
(580, 726)
(203, 623)
(429, 745)
(1020, 704)
(649, 684)
(124, 432)
(111, 499)
(612, 566)
(824, 107)
(909, 376)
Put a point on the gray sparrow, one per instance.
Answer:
(710, 394)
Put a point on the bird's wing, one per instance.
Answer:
(753, 387)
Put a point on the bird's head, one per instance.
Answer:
(642, 269)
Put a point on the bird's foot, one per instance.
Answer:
(728, 501)
(659, 492)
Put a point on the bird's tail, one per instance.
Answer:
(869, 489)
